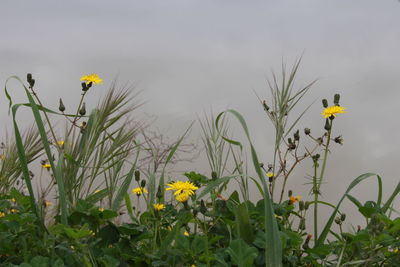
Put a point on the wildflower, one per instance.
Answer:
(96, 191)
(182, 188)
(13, 200)
(14, 211)
(159, 206)
(294, 199)
(192, 265)
(92, 233)
(186, 233)
(47, 203)
(270, 174)
(332, 111)
(46, 166)
(92, 78)
(182, 197)
(139, 190)
(2, 214)
(101, 209)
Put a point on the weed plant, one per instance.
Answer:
(109, 199)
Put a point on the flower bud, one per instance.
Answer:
(159, 193)
(29, 78)
(338, 140)
(325, 103)
(302, 225)
(290, 193)
(307, 205)
(143, 183)
(327, 125)
(338, 221)
(307, 131)
(290, 140)
(61, 107)
(32, 83)
(137, 176)
(336, 99)
(301, 205)
(343, 217)
(261, 165)
(82, 111)
(296, 136)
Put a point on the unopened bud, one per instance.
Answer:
(338, 221)
(29, 78)
(290, 193)
(301, 205)
(336, 99)
(343, 217)
(203, 208)
(290, 140)
(159, 193)
(307, 131)
(325, 103)
(137, 176)
(296, 136)
(302, 225)
(307, 205)
(265, 105)
(32, 83)
(82, 111)
(143, 183)
(61, 107)
(338, 140)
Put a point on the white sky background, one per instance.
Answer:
(190, 56)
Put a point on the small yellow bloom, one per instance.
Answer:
(96, 191)
(47, 203)
(270, 174)
(2, 157)
(14, 211)
(92, 78)
(92, 233)
(294, 199)
(60, 143)
(159, 206)
(13, 200)
(46, 166)
(2, 214)
(101, 209)
(139, 190)
(332, 111)
(192, 265)
(186, 233)
(182, 187)
(182, 197)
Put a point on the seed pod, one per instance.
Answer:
(82, 111)
(137, 176)
(325, 103)
(336, 99)
(61, 107)
(307, 131)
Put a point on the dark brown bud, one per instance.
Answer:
(307, 131)
(82, 111)
(338, 140)
(296, 136)
(338, 221)
(266, 108)
(29, 78)
(143, 183)
(137, 176)
(336, 99)
(325, 103)
(84, 87)
(343, 217)
(61, 107)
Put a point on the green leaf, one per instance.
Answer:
(242, 254)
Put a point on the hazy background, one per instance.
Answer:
(188, 57)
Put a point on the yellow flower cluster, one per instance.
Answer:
(92, 78)
(139, 190)
(183, 190)
(332, 111)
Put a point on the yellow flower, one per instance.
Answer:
(139, 190)
(60, 143)
(182, 187)
(47, 203)
(2, 214)
(92, 78)
(2, 157)
(270, 174)
(294, 199)
(332, 111)
(101, 209)
(159, 206)
(13, 200)
(186, 233)
(96, 191)
(192, 265)
(14, 211)
(46, 166)
(182, 197)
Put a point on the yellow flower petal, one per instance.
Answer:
(92, 78)
(332, 111)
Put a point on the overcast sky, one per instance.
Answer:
(190, 56)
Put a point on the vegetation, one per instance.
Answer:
(104, 196)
